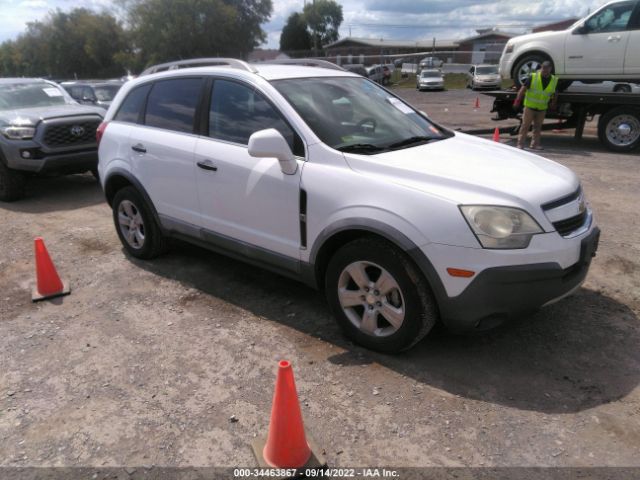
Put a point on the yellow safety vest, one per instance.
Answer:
(538, 97)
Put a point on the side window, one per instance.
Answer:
(612, 19)
(87, 93)
(172, 104)
(237, 111)
(132, 106)
(76, 92)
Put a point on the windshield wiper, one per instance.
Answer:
(411, 141)
(361, 147)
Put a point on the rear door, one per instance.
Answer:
(244, 199)
(162, 149)
(598, 48)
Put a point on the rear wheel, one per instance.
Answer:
(619, 129)
(12, 184)
(379, 298)
(137, 229)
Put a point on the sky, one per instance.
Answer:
(388, 19)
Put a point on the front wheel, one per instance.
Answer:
(137, 229)
(12, 184)
(378, 296)
(619, 129)
(526, 66)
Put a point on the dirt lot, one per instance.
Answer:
(145, 362)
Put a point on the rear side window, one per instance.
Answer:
(238, 111)
(172, 104)
(132, 106)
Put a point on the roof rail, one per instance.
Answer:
(306, 62)
(200, 62)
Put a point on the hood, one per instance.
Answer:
(536, 36)
(466, 169)
(491, 76)
(32, 116)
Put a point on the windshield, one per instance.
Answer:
(487, 70)
(26, 95)
(105, 93)
(354, 114)
(431, 74)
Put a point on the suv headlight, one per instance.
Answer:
(18, 133)
(501, 227)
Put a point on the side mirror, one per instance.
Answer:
(581, 29)
(270, 143)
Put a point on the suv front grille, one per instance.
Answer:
(71, 133)
(569, 225)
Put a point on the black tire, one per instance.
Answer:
(608, 135)
(527, 59)
(154, 243)
(12, 184)
(622, 89)
(416, 299)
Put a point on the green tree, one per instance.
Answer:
(165, 30)
(79, 43)
(295, 37)
(323, 18)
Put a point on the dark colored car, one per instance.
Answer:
(43, 131)
(98, 93)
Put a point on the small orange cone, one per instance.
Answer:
(49, 284)
(286, 445)
(496, 135)
(477, 105)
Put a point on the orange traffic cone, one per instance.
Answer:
(477, 105)
(496, 135)
(286, 445)
(49, 284)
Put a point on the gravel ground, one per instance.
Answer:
(145, 362)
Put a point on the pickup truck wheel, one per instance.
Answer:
(619, 129)
(526, 66)
(137, 229)
(11, 184)
(378, 296)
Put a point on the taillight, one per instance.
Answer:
(100, 131)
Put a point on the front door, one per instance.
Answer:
(245, 201)
(598, 47)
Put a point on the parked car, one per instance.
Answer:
(483, 76)
(604, 87)
(430, 80)
(603, 46)
(356, 68)
(430, 62)
(98, 93)
(326, 177)
(43, 131)
(375, 73)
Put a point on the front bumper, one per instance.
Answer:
(431, 86)
(45, 160)
(501, 292)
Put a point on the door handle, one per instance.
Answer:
(207, 165)
(138, 147)
(612, 38)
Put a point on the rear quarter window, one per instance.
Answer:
(132, 106)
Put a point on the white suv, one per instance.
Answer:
(603, 46)
(323, 175)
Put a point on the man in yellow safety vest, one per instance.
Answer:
(539, 90)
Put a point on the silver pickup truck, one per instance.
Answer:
(43, 131)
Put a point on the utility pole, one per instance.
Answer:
(315, 34)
